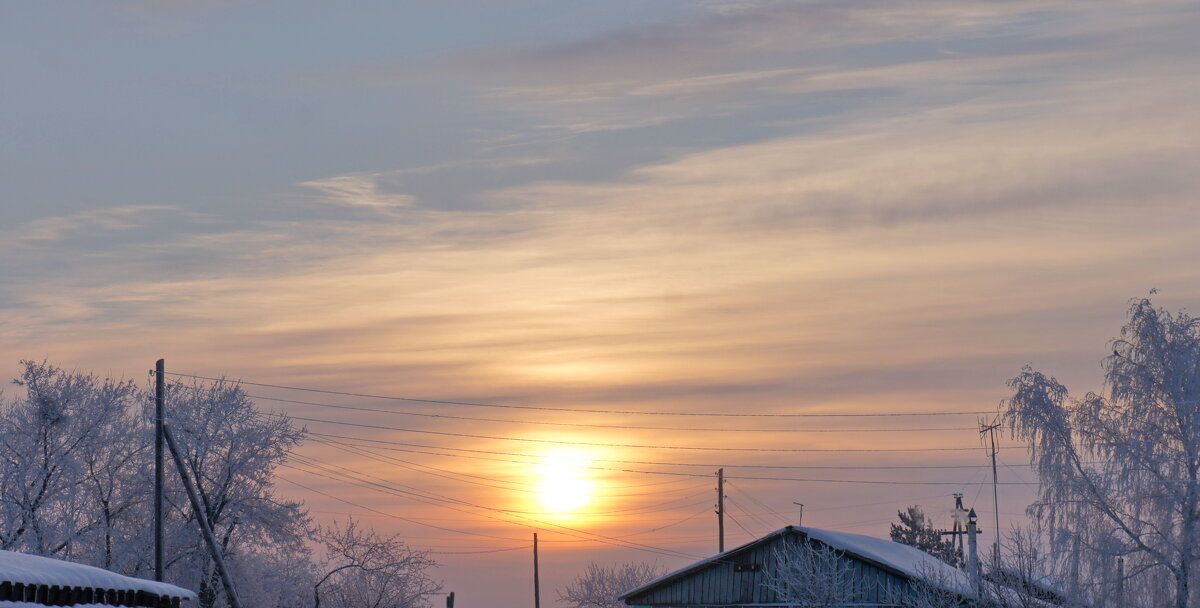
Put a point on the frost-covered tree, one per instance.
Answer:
(231, 450)
(363, 569)
(600, 586)
(915, 530)
(68, 465)
(1023, 578)
(933, 588)
(76, 482)
(813, 575)
(1119, 471)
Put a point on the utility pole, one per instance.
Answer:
(721, 510)
(990, 429)
(202, 518)
(159, 397)
(537, 591)
(450, 600)
(957, 532)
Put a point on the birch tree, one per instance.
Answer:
(1119, 471)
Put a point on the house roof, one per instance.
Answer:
(903, 560)
(36, 570)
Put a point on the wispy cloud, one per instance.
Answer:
(85, 223)
(359, 190)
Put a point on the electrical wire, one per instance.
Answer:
(573, 410)
(759, 502)
(706, 465)
(609, 426)
(562, 529)
(631, 445)
(801, 479)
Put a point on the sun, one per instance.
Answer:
(563, 485)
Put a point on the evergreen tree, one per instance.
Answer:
(915, 530)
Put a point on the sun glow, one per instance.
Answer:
(563, 483)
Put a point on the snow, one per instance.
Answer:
(33, 605)
(911, 561)
(34, 569)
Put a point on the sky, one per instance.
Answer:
(648, 208)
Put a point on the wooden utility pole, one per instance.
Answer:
(990, 429)
(159, 397)
(957, 531)
(202, 518)
(537, 588)
(720, 510)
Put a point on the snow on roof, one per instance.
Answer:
(37, 570)
(907, 560)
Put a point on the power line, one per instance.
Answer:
(739, 524)
(707, 465)
(610, 426)
(598, 537)
(630, 445)
(575, 410)
(413, 492)
(743, 510)
(361, 451)
(808, 479)
(393, 516)
(759, 503)
(477, 552)
(539, 458)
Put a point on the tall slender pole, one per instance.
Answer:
(990, 429)
(159, 396)
(537, 587)
(202, 518)
(720, 510)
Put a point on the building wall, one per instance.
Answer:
(740, 578)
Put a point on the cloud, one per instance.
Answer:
(358, 190)
(85, 223)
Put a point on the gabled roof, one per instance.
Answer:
(36, 570)
(902, 560)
